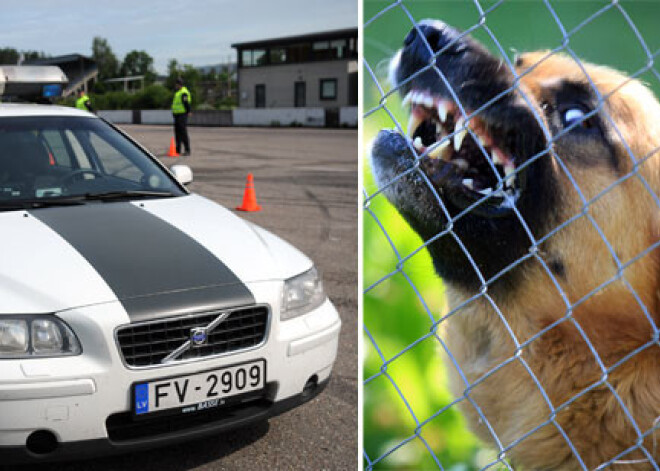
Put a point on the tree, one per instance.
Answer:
(8, 55)
(139, 63)
(172, 73)
(190, 75)
(11, 56)
(105, 58)
(33, 55)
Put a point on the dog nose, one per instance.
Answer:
(436, 35)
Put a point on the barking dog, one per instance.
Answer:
(550, 183)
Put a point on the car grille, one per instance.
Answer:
(170, 340)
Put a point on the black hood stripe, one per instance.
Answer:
(154, 269)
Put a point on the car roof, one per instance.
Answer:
(29, 109)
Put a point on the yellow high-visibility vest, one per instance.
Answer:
(81, 103)
(177, 102)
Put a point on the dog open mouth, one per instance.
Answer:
(465, 160)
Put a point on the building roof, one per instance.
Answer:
(60, 59)
(132, 78)
(321, 36)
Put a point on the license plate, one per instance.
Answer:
(200, 391)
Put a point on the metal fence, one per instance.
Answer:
(388, 102)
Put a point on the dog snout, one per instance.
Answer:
(433, 48)
(433, 36)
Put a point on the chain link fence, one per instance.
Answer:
(410, 417)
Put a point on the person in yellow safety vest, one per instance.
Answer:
(181, 109)
(83, 102)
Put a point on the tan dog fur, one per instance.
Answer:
(612, 320)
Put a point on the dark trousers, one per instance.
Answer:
(181, 132)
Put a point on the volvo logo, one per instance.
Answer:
(198, 336)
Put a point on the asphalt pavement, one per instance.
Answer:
(306, 182)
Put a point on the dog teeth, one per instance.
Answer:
(407, 99)
(459, 134)
(413, 124)
(469, 183)
(442, 110)
(485, 191)
(480, 140)
(427, 101)
(509, 168)
(418, 143)
(440, 151)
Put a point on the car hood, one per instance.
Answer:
(166, 256)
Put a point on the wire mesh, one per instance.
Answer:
(423, 427)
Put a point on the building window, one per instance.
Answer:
(253, 57)
(328, 89)
(298, 53)
(299, 94)
(338, 48)
(278, 55)
(246, 58)
(260, 96)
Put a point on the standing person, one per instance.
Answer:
(180, 110)
(83, 102)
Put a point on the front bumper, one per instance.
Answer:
(84, 402)
(230, 419)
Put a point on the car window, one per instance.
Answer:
(56, 147)
(78, 153)
(53, 156)
(112, 161)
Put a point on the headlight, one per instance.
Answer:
(301, 294)
(33, 336)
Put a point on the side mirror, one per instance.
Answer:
(183, 173)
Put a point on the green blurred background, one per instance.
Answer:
(394, 315)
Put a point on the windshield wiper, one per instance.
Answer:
(128, 194)
(75, 200)
(41, 203)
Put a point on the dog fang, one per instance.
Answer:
(413, 123)
(440, 151)
(442, 110)
(460, 132)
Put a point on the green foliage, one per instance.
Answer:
(68, 101)
(396, 319)
(152, 97)
(105, 58)
(191, 78)
(11, 56)
(138, 63)
(227, 103)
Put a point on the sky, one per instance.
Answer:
(197, 32)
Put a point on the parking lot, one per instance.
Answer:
(306, 182)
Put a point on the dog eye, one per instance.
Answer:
(576, 115)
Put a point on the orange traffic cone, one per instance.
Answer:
(172, 152)
(249, 197)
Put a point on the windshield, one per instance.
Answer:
(49, 158)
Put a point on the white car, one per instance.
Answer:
(133, 313)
